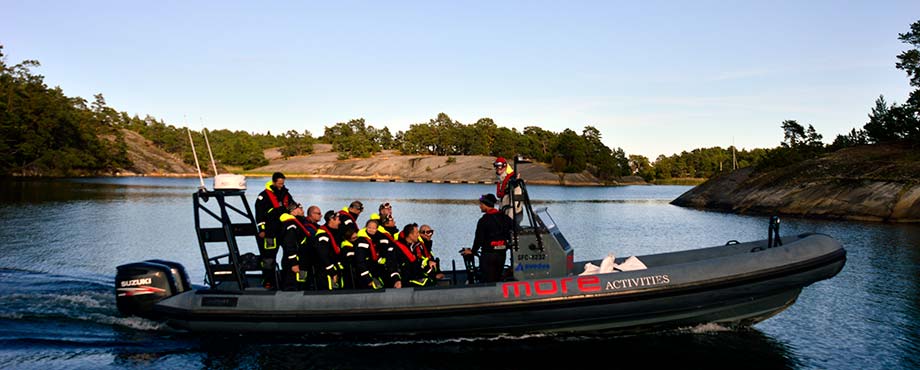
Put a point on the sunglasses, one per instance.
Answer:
(427, 232)
(498, 165)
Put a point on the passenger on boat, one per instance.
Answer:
(425, 249)
(298, 230)
(492, 233)
(385, 243)
(270, 204)
(507, 184)
(314, 215)
(384, 210)
(349, 215)
(389, 225)
(347, 258)
(328, 253)
(406, 264)
(368, 261)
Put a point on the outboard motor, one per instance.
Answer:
(140, 285)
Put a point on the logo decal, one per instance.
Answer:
(142, 290)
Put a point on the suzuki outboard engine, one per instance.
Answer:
(140, 285)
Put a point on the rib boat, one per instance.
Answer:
(735, 284)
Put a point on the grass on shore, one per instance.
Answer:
(692, 181)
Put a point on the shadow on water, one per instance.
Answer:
(68, 190)
(709, 347)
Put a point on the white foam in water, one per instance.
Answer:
(132, 322)
(82, 299)
(96, 307)
(707, 328)
(454, 340)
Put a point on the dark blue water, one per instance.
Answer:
(61, 240)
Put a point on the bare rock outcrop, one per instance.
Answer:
(870, 183)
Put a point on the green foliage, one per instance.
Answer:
(45, 132)
(355, 139)
(854, 138)
(641, 166)
(699, 163)
(235, 148)
(572, 151)
(566, 151)
(909, 61)
(888, 123)
(294, 143)
(800, 144)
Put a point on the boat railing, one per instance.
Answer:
(226, 234)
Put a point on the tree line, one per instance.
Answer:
(45, 132)
(566, 151)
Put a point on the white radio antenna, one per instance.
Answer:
(213, 165)
(194, 154)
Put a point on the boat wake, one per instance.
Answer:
(38, 298)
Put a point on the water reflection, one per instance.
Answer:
(60, 241)
(709, 348)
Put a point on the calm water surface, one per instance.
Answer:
(61, 240)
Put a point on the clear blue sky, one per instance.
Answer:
(654, 77)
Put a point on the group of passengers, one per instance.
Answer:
(341, 253)
(332, 250)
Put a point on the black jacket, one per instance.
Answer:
(492, 232)
(367, 257)
(328, 252)
(404, 265)
(268, 217)
(297, 239)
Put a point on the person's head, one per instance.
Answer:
(388, 221)
(385, 209)
(410, 232)
(278, 180)
(500, 165)
(295, 209)
(356, 207)
(332, 220)
(487, 202)
(314, 214)
(350, 234)
(426, 232)
(371, 227)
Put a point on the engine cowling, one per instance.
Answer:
(140, 285)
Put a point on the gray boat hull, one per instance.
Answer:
(739, 284)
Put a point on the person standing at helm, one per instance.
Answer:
(270, 204)
(507, 180)
(492, 233)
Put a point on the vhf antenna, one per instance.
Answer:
(213, 165)
(195, 154)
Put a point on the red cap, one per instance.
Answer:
(500, 161)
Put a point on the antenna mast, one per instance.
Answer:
(195, 154)
(213, 165)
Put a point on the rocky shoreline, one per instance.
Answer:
(866, 183)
